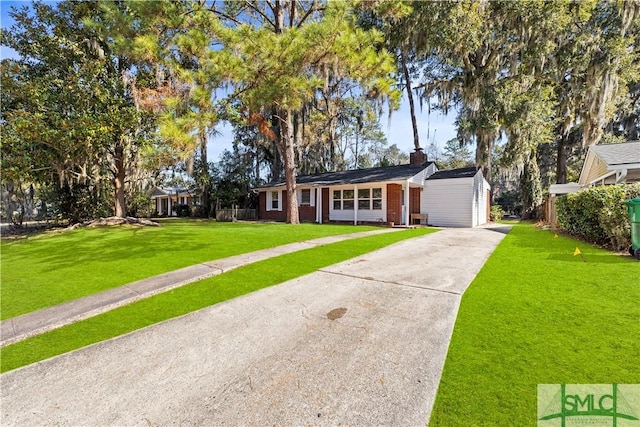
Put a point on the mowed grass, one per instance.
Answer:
(537, 314)
(52, 268)
(192, 297)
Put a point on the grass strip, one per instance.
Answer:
(192, 297)
(52, 268)
(537, 314)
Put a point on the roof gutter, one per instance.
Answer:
(622, 176)
(602, 178)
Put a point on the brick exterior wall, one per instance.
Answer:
(394, 203)
(264, 214)
(307, 213)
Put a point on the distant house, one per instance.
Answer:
(406, 194)
(604, 165)
(166, 199)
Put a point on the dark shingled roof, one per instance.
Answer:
(455, 173)
(359, 176)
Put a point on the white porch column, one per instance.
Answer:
(407, 211)
(355, 205)
(169, 207)
(318, 205)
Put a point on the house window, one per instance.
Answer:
(306, 197)
(364, 199)
(370, 198)
(347, 199)
(337, 200)
(343, 199)
(274, 200)
(376, 198)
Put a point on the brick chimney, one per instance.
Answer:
(418, 157)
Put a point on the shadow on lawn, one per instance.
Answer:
(594, 258)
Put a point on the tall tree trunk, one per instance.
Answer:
(531, 189)
(412, 108)
(288, 154)
(561, 161)
(119, 174)
(203, 174)
(484, 147)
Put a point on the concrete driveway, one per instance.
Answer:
(360, 343)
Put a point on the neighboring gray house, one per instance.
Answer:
(611, 164)
(604, 165)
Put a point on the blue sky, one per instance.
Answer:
(433, 127)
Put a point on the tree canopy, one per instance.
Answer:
(104, 95)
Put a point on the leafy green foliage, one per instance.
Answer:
(496, 213)
(68, 115)
(599, 214)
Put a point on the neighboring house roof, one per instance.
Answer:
(618, 154)
(359, 176)
(455, 173)
(611, 163)
(170, 191)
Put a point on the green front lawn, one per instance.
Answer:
(537, 314)
(192, 297)
(52, 268)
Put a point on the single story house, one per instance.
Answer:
(604, 165)
(403, 194)
(166, 198)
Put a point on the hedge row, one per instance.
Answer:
(599, 214)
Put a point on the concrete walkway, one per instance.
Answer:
(38, 322)
(360, 343)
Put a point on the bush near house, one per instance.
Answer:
(599, 214)
(496, 213)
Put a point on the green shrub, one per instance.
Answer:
(496, 213)
(182, 210)
(599, 214)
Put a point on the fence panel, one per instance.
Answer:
(228, 215)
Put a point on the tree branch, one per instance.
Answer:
(261, 13)
(314, 8)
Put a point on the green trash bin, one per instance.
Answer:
(633, 207)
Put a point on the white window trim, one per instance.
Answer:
(269, 201)
(312, 196)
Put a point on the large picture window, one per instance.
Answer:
(370, 198)
(364, 199)
(343, 200)
(376, 199)
(347, 200)
(337, 200)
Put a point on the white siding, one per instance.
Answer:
(423, 175)
(480, 187)
(448, 202)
